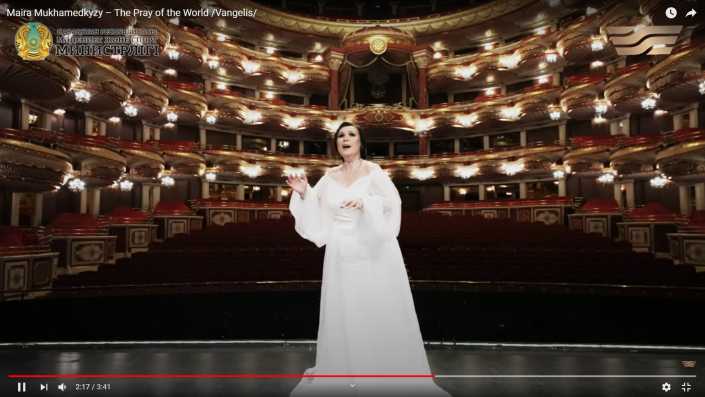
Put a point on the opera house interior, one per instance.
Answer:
(551, 174)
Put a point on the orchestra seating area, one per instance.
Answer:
(435, 248)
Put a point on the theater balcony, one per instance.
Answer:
(82, 241)
(182, 157)
(187, 50)
(549, 211)
(149, 97)
(28, 166)
(173, 218)
(54, 75)
(589, 154)
(221, 211)
(582, 94)
(683, 157)
(635, 156)
(26, 262)
(134, 229)
(255, 68)
(646, 228)
(186, 102)
(598, 216)
(95, 159)
(678, 77)
(687, 245)
(626, 89)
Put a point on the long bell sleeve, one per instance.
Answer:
(381, 208)
(312, 216)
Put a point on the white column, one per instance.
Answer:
(481, 192)
(684, 199)
(146, 135)
(24, 115)
(446, 193)
(156, 133)
(84, 201)
(307, 100)
(202, 137)
(456, 145)
(693, 116)
(391, 149)
(562, 133)
(522, 137)
(700, 196)
(278, 193)
(38, 209)
(88, 125)
(45, 120)
(94, 201)
(562, 188)
(522, 190)
(240, 193)
(15, 208)
(677, 122)
(486, 142)
(273, 144)
(145, 196)
(103, 128)
(205, 189)
(451, 98)
(301, 147)
(156, 193)
(629, 186)
(618, 195)
(238, 141)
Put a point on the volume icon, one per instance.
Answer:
(62, 387)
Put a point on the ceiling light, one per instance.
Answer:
(59, 112)
(250, 67)
(213, 63)
(466, 120)
(422, 174)
(114, 120)
(125, 185)
(659, 181)
(211, 118)
(467, 171)
(173, 53)
(251, 170)
(130, 110)
(597, 44)
(77, 185)
(82, 95)
(511, 168)
(466, 72)
(167, 181)
(250, 116)
(172, 116)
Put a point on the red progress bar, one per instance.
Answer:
(209, 376)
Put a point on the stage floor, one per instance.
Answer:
(474, 369)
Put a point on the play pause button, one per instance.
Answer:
(44, 387)
(21, 387)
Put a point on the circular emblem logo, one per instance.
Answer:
(33, 41)
(378, 45)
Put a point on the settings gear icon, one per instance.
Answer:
(666, 387)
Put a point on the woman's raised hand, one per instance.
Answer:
(298, 183)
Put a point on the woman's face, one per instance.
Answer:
(348, 141)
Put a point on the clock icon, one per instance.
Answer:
(671, 12)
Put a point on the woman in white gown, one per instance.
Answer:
(368, 322)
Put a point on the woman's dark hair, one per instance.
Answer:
(363, 141)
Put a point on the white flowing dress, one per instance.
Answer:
(368, 322)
